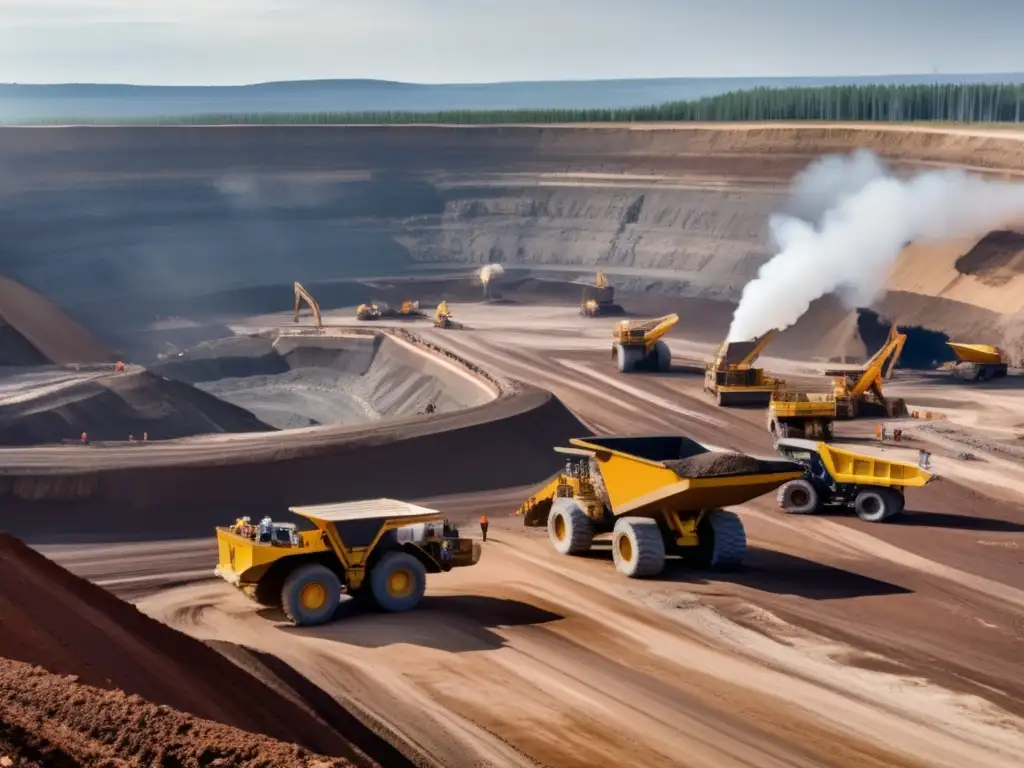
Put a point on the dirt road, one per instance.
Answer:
(840, 644)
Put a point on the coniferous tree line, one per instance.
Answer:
(947, 103)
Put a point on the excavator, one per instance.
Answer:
(302, 294)
(637, 344)
(599, 298)
(732, 379)
(808, 415)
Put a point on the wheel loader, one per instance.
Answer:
(443, 317)
(599, 298)
(637, 344)
(732, 379)
(873, 487)
(378, 551)
(656, 495)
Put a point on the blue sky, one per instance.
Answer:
(244, 41)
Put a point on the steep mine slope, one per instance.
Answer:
(168, 221)
(34, 331)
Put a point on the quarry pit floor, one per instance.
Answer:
(839, 644)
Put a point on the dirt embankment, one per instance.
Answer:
(68, 626)
(299, 381)
(116, 406)
(34, 331)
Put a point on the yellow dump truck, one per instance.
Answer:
(378, 551)
(979, 362)
(810, 415)
(637, 344)
(873, 487)
(732, 379)
(657, 496)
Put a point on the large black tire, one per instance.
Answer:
(723, 541)
(799, 497)
(398, 582)
(310, 595)
(662, 356)
(569, 528)
(874, 505)
(628, 358)
(638, 548)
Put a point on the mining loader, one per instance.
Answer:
(873, 487)
(599, 298)
(656, 495)
(978, 362)
(378, 551)
(854, 393)
(637, 344)
(732, 379)
(301, 294)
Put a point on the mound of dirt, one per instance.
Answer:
(34, 330)
(726, 464)
(49, 720)
(57, 621)
(111, 406)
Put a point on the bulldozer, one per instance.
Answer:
(732, 379)
(301, 294)
(656, 495)
(599, 299)
(978, 362)
(873, 487)
(805, 415)
(378, 552)
(637, 344)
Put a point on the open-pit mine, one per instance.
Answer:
(155, 384)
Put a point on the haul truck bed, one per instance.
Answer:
(656, 495)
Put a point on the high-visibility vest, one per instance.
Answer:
(483, 520)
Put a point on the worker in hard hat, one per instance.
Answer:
(483, 526)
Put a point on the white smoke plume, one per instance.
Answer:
(852, 250)
(490, 271)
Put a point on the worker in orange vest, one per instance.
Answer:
(483, 526)
(119, 368)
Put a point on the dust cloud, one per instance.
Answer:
(847, 222)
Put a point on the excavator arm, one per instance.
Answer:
(601, 281)
(880, 367)
(302, 294)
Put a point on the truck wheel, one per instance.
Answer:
(723, 541)
(799, 497)
(310, 595)
(662, 356)
(398, 582)
(628, 358)
(877, 504)
(637, 547)
(569, 528)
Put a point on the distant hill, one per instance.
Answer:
(26, 103)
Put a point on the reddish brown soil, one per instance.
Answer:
(55, 721)
(68, 626)
(37, 320)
